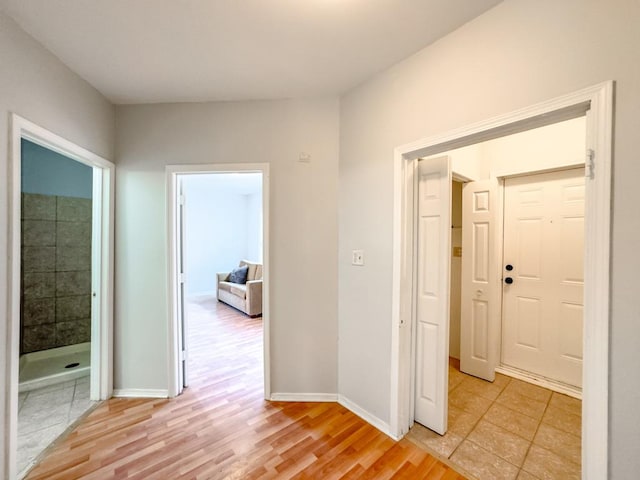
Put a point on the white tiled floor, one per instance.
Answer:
(45, 413)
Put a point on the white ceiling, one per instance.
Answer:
(149, 51)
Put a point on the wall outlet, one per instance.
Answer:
(357, 257)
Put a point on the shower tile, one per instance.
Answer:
(38, 207)
(65, 333)
(73, 283)
(71, 258)
(71, 308)
(70, 209)
(83, 330)
(38, 233)
(38, 259)
(73, 233)
(38, 311)
(39, 284)
(73, 332)
(38, 337)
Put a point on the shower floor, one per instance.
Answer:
(41, 369)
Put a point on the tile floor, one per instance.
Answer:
(45, 413)
(507, 429)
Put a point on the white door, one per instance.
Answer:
(543, 275)
(432, 294)
(182, 316)
(480, 292)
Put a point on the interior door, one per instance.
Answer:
(182, 317)
(480, 292)
(544, 274)
(432, 293)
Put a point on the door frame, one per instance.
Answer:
(173, 172)
(597, 103)
(102, 267)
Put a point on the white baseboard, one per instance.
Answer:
(140, 393)
(304, 397)
(366, 416)
(541, 381)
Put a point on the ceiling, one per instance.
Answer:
(150, 51)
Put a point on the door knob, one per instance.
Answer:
(508, 280)
(508, 268)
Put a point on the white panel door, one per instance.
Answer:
(543, 275)
(432, 293)
(182, 315)
(480, 292)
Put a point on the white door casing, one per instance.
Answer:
(544, 245)
(480, 292)
(432, 292)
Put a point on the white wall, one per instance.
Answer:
(517, 54)
(549, 147)
(35, 85)
(254, 227)
(221, 228)
(303, 229)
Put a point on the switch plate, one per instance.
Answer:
(357, 257)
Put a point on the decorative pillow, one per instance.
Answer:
(239, 275)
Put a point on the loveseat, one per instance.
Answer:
(246, 297)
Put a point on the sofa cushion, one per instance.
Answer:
(255, 270)
(239, 275)
(236, 289)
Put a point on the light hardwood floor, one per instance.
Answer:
(222, 428)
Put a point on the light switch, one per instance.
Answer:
(357, 257)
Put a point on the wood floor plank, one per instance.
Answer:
(222, 428)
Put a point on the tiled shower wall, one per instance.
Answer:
(56, 272)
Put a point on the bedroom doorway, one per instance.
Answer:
(218, 218)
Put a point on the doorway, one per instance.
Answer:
(60, 289)
(596, 103)
(198, 269)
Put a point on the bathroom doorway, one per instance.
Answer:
(60, 289)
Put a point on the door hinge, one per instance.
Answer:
(183, 355)
(589, 167)
(181, 199)
(181, 277)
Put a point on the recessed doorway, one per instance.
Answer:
(60, 288)
(596, 103)
(218, 218)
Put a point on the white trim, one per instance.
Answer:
(173, 347)
(102, 270)
(598, 100)
(367, 417)
(304, 397)
(547, 383)
(140, 393)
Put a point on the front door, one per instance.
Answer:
(543, 278)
